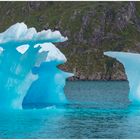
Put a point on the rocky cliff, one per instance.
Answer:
(92, 28)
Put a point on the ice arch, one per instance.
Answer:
(131, 63)
(29, 77)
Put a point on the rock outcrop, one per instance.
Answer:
(92, 28)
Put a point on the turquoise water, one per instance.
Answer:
(96, 110)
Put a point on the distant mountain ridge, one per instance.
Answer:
(92, 28)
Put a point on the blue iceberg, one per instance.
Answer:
(131, 63)
(29, 73)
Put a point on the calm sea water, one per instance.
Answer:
(97, 110)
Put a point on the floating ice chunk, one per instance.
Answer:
(1, 50)
(131, 63)
(22, 49)
(29, 76)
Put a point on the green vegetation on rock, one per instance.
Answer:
(92, 28)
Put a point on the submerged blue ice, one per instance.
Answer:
(131, 63)
(29, 77)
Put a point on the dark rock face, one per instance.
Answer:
(92, 28)
(34, 5)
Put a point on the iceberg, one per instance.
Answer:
(131, 63)
(29, 73)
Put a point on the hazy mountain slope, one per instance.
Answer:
(92, 28)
